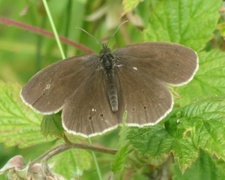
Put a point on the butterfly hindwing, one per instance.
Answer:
(88, 112)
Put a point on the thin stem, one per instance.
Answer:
(64, 147)
(54, 29)
(96, 162)
(68, 16)
(43, 32)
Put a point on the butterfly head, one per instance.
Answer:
(105, 50)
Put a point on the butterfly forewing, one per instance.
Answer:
(48, 89)
(170, 63)
(88, 112)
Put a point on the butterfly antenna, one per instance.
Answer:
(117, 30)
(89, 34)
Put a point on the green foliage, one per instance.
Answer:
(129, 5)
(52, 125)
(192, 134)
(205, 167)
(19, 125)
(183, 22)
(120, 158)
(72, 163)
(198, 125)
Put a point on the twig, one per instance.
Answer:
(43, 32)
(64, 147)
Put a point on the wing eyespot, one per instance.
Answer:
(133, 109)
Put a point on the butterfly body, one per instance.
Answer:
(93, 91)
(108, 65)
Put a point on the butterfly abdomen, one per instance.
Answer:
(112, 91)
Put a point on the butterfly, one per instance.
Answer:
(93, 91)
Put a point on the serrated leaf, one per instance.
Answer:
(52, 125)
(187, 22)
(206, 121)
(124, 148)
(198, 125)
(120, 158)
(129, 5)
(157, 141)
(151, 140)
(185, 153)
(204, 124)
(19, 125)
(204, 168)
(72, 163)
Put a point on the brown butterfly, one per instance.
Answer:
(93, 91)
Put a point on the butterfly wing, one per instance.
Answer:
(77, 86)
(47, 91)
(88, 112)
(143, 70)
(170, 63)
(146, 99)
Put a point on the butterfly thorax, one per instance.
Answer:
(106, 58)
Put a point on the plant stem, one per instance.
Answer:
(64, 147)
(54, 29)
(96, 162)
(68, 16)
(43, 32)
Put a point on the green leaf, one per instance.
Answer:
(72, 163)
(120, 158)
(206, 167)
(209, 79)
(205, 121)
(187, 22)
(154, 140)
(157, 141)
(203, 124)
(198, 125)
(19, 125)
(129, 5)
(52, 125)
